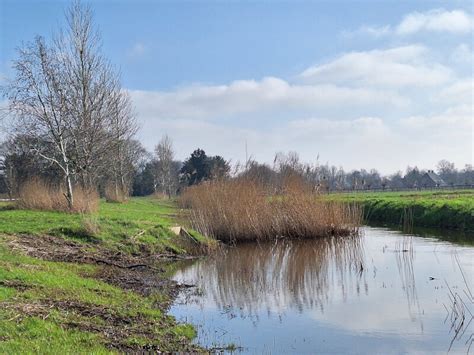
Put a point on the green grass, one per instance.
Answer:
(126, 227)
(453, 209)
(36, 336)
(32, 291)
(33, 281)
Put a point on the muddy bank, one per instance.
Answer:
(141, 274)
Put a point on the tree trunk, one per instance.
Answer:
(69, 193)
(116, 190)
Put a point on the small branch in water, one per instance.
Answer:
(134, 266)
(185, 285)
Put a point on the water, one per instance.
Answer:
(383, 292)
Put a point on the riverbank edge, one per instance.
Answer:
(443, 209)
(84, 295)
(418, 214)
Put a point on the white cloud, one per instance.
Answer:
(396, 67)
(353, 143)
(459, 117)
(389, 108)
(267, 95)
(460, 92)
(463, 53)
(444, 134)
(332, 128)
(437, 20)
(138, 50)
(373, 31)
(309, 137)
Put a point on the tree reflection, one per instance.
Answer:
(287, 273)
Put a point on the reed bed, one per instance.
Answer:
(240, 210)
(36, 194)
(115, 194)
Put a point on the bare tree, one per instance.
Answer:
(122, 148)
(101, 113)
(68, 95)
(445, 168)
(118, 173)
(165, 174)
(37, 98)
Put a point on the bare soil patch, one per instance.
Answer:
(140, 274)
(54, 248)
(114, 328)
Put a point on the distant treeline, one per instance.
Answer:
(321, 177)
(159, 172)
(143, 173)
(325, 177)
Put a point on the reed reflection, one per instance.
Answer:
(297, 274)
(405, 257)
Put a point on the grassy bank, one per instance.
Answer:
(440, 209)
(96, 283)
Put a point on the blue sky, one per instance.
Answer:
(380, 84)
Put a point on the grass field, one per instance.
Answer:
(142, 222)
(65, 286)
(453, 209)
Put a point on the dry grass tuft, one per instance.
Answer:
(160, 196)
(115, 195)
(90, 224)
(240, 210)
(35, 194)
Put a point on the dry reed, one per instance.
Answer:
(240, 210)
(36, 194)
(114, 194)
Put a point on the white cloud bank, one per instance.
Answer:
(397, 67)
(250, 96)
(436, 20)
(384, 108)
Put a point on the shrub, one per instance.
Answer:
(38, 195)
(239, 210)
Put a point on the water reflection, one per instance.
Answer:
(382, 292)
(405, 256)
(280, 275)
(449, 235)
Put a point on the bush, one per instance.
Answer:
(35, 194)
(239, 210)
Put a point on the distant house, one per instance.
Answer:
(431, 179)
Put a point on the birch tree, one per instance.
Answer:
(165, 173)
(122, 148)
(68, 95)
(37, 97)
(101, 113)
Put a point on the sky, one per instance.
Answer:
(358, 84)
